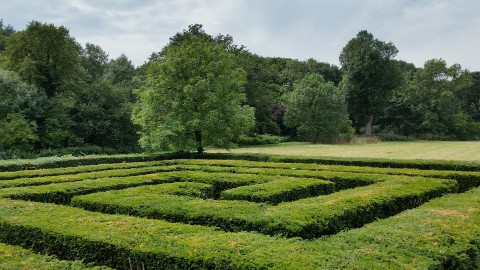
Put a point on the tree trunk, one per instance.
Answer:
(198, 140)
(368, 126)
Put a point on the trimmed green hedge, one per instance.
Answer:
(62, 192)
(466, 179)
(452, 165)
(15, 258)
(35, 181)
(78, 169)
(441, 234)
(307, 218)
(278, 191)
(57, 162)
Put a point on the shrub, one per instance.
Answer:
(261, 139)
(318, 109)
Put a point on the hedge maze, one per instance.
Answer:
(240, 212)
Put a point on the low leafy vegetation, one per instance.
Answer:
(14, 258)
(247, 212)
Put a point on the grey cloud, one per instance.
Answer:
(302, 29)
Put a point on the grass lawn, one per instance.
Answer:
(438, 150)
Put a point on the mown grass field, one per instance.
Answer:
(435, 150)
(218, 211)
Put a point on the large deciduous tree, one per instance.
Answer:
(192, 97)
(318, 110)
(370, 75)
(46, 56)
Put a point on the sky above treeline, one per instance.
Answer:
(300, 29)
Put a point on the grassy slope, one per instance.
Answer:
(435, 150)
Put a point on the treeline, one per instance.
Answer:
(57, 94)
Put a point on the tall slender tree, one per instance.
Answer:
(370, 75)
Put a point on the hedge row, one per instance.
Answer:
(35, 181)
(278, 191)
(78, 169)
(307, 218)
(15, 258)
(453, 165)
(441, 234)
(61, 193)
(57, 162)
(342, 175)
(465, 179)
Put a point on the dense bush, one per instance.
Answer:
(392, 137)
(261, 139)
(318, 110)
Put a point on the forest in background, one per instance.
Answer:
(57, 94)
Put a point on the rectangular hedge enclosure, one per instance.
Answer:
(223, 211)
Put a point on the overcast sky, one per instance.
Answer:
(298, 29)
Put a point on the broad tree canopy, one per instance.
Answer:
(192, 97)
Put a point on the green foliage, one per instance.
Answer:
(344, 176)
(19, 97)
(120, 71)
(75, 170)
(5, 32)
(21, 106)
(192, 98)
(14, 258)
(62, 193)
(102, 114)
(387, 136)
(428, 106)
(260, 139)
(306, 218)
(281, 190)
(370, 76)
(470, 97)
(318, 110)
(69, 161)
(440, 234)
(261, 90)
(46, 56)
(82, 175)
(17, 134)
(94, 61)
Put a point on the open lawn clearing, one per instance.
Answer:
(429, 150)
